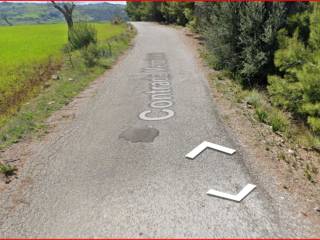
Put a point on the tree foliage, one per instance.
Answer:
(242, 36)
(297, 87)
(82, 35)
(170, 12)
(220, 25)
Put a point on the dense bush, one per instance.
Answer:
(144, 11)
(170, 12)
(297, 87)
(242, 36)
(81, 35)
(177, 12)
(220, 24)
(90, 54)
(259, 23)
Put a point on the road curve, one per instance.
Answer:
(119, 168)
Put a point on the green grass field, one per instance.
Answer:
(25, 51)
(25, 43)
(25, 48)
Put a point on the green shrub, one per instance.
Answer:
(278, 121)
(220, 25)
(314, 124)
(170, 12)
(297, 88)
(90, 55)
(81, 35)
(262, 114)
(7, 170)
(243, 36)
(254, 98)
(285, 93)
(259, 23)
(105, 50)
(275, 118)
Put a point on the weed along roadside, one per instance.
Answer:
(80, 65)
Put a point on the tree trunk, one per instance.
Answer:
(69, 20)
(67, 11)
(6, 20)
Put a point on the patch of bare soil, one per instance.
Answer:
(293, 168)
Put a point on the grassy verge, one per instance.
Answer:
(274, 134)
(70, 80)
(29, 55)
(262, 110)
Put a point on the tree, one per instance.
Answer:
(220, 24)
(170, 12)
(5, 18)
(259, 23)
(177, 12)
(297, 87)
(67, 11)
(138, 11)
(241, 36)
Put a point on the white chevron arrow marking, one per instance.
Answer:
(238, 198)
(204, 145)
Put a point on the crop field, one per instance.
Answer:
(29, 50)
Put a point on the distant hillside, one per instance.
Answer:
(26, 13)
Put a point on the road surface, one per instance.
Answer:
(119, 168)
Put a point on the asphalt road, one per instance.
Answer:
(119, 168)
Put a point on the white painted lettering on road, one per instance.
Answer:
(161, 92)
(169, 114)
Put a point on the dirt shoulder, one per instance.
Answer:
(277, 162)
